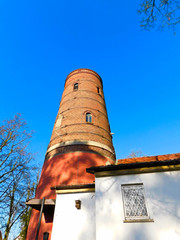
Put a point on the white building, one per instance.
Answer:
(137, 199)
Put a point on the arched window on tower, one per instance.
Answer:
(88, 117)
(76, 86)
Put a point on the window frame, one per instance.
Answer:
(75, 86)
(98, 90)
(135, 218)
(88, 117)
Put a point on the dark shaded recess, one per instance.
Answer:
(79, 186)
(49, 214)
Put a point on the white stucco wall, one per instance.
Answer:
(70, 223)
(162, 191)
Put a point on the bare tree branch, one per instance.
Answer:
(159, 14)
(15, 168)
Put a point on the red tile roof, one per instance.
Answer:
(157, 158)
(139, 162)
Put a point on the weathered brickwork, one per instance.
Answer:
(71, 122)
(81, 148)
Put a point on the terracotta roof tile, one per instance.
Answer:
(149, 159)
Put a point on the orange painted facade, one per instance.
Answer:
(67, 169)
(64, 169)
(46, 226)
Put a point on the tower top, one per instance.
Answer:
(83, 70)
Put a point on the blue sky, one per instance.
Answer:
(41, 42)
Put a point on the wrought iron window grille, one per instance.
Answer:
(135, 207)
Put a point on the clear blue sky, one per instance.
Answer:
(41, 42)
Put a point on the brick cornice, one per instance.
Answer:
(80, 142)
(83, 70)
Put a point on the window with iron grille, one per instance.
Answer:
(134, 202)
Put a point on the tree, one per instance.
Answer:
(135, 154)
(25, 217)
(160, 14)
(15, 168)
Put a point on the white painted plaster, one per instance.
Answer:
(162, 192)
(71, 223)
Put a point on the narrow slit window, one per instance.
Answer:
(88, 117)
(97, 89)
(76, 86)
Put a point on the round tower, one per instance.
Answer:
(82, 122)
(81, 138)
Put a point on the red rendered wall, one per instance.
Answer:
(68, 169)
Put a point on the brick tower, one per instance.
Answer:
(81, 138)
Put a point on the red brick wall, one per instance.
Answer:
(73, 108)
